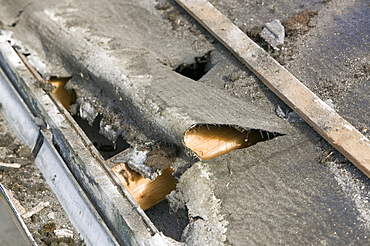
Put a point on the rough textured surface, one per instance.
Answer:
(29, 188)
(294, 189)
(280, 195)
(207, 224)
(133, 84)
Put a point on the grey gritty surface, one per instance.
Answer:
(305, 193)
(292, 190)
(27, 188)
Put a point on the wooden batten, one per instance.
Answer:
(145, 191)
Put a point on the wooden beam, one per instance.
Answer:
(145, 191)
(66, 97)
(210, 140)
(329, 124)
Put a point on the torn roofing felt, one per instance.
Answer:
(161, 102)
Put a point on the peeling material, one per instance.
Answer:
(207, 225)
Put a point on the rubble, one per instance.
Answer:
(274, 34)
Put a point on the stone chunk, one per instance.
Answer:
(273, 33)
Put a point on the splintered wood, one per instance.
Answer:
(209, 141)
(145, 191)
(328, 123)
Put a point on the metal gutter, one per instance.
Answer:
(94, 203)
(48, 160)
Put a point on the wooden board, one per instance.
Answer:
(66, 97)
(209, 141)
(329, 124)
(145, 191)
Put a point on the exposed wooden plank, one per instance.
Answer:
(209, 141)
(66, 97)
(212, 141)
(329, 124)
(145, 191)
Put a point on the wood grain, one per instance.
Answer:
(145, 191)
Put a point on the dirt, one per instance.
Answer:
(30, 188)
(161, 157)
(299, 23)
(179, 19)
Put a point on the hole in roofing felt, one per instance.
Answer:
(67, 97)
(170, 223)
(149, 193)
(197, 69)
(212, 140)
(105, 147)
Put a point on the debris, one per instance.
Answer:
(51, 215)
(299, 23)
(148, 159)
(274, 34)
(36, 209)
(289, 115)
(279, 112)
(135, 159)
(63, 233)
(293, 117)
(13, 165)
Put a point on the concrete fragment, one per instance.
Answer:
(288, 115)
(279, 112)
(63, 233)
(273, 33)
(293, 117)
(51, 215)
